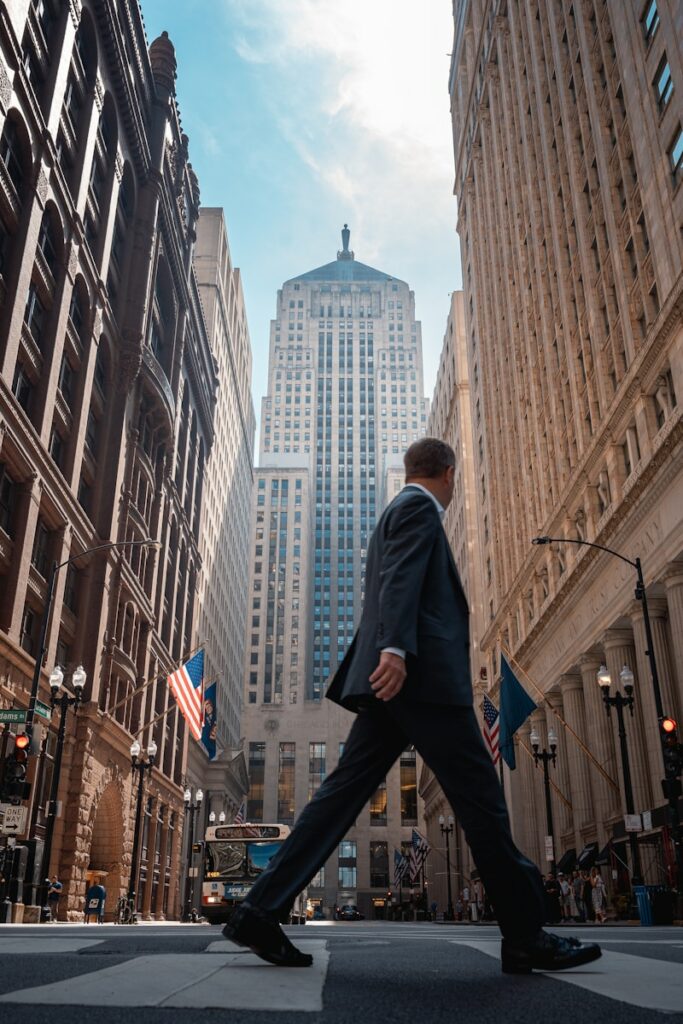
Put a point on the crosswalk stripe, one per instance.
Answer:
(40, 944)
(616, 975)
(236, 980)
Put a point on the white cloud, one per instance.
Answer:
(376, 71)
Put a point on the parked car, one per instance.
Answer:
(350, 912)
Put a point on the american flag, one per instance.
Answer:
(400, 868)
(419, 848)
(241, 814)
(491, 728)
(186, 685)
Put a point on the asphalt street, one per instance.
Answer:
(363, 971)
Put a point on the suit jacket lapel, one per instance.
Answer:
(451, 560)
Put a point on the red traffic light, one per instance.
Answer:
(669, 726)
(22, 741)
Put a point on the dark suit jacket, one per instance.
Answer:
(413, 600)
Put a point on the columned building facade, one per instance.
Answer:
(450, 419)
(222, 596)
(568, 165)
(107, 387)
(345, 399)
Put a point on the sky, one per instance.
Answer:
(304, 115)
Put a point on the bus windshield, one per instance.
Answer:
(238, 859)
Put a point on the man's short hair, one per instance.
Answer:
(428, 457)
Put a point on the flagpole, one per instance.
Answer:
(500, 772)
(154, 679)
(608, 778)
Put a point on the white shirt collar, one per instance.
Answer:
(439, 507)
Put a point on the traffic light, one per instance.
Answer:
(673, 759)
(14, 786)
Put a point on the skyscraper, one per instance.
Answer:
(568, 165)
(345, 398)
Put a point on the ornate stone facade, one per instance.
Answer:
(107, 388)
(567, 138)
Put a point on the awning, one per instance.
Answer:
(567, 861)
(586, 858)
(604, 856)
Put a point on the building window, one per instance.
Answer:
(408, 788)
(28, 631)
(379, 865)
(663, 84)
(676, 155)
(34, 314)
(650, 20)
(316, 767)
(378, 805)
(257, 774)
(10, 154)
(41, 544)
(347, 864)
(285, 783)
(7, 500)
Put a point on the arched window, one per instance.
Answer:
(35, 46)
(101, 176)
(81, 77)
(124, 215)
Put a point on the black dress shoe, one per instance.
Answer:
(547, 952)
(262, 934)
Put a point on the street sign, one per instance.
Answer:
(14, 819)
(633, 823)
(549, 850)
(44, 710)
(12, 715)
(647, 820)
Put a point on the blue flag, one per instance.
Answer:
(515, 707)
(208, 738)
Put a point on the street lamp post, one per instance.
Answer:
(546, 757)
(619, 701)
(49, 594)
(447, 830)
(672, 766)
(191, 809)
(65, 701)
(140, 766)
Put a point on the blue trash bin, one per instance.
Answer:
(644, 903)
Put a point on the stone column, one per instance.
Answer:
(571, 686)
(645, 695)
(151, 847)
(673, 582)
(16, 580)
(528, 827)
(620, 651)
(607, 800)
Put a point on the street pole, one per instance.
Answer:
(671, 773)
(191, 809)
(620, 702)
(141, 767)
(65, 702)
(447, 830)
(547, 757)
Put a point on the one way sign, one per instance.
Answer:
(13, 819)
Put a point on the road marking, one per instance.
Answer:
(625, 977)
(236, 981)
(40, 944)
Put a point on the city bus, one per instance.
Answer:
(234, 857)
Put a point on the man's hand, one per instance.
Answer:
(389, 676)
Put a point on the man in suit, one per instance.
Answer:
(407, 677)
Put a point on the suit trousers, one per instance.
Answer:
(450, 741)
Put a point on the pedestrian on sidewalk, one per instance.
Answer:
(599, 896)
(565, 897)
(577, 889)
(54, 893)
(407, 677)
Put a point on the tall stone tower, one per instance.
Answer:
(345, 398)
